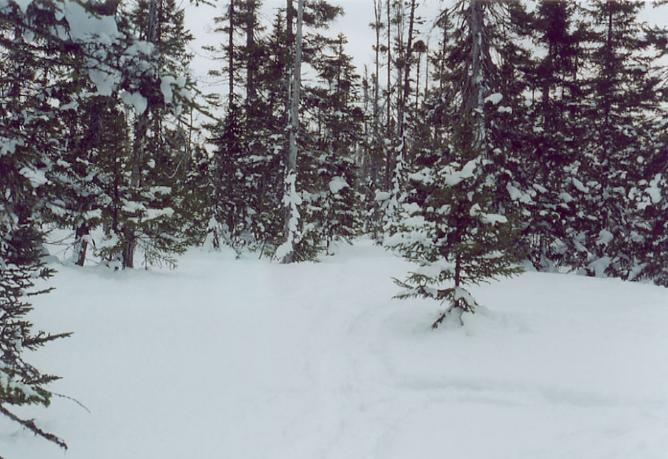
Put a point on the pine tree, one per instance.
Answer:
(158, 142)
(333, 201)
(554, 124)
(622, 94)
(452, 227)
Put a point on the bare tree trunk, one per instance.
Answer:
(426, 73)
(417, 82)
(230, 57)
(476, 107)
(403, 103)
(251, 64)
(407, 78)
(291, 199)
(388, 102)
(80, 244)
(400, 58)
(375, 160)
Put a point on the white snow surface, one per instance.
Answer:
(250, 359)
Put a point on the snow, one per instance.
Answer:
(105, 80)
(518, 195)
(22, 4)
(135, 100)
(382, 196)
(166, 83)
(453, 176)
(493, 219)
(37, 177)
(87, 27)
(604, 237)
(337, 184)
(250, 359)
(653, 191)
(494, 99)
(292, 200)
(579, 185)
(490, 219)
(152, 214)
(8, 145)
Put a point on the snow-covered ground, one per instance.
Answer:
(244, 359)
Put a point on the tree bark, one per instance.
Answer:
(230, 57)
(388, 102)
(251, 63)
(476, 105)
(292, 214)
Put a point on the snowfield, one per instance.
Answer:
(246, 359)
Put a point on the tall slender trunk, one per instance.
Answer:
(476, 104)
(408, 54)
(251, 63)
(291, 226)
(426, 73)
(417, 82)
(607, 93)
(388, 102)
(375, 159)
(400, 59)
(402, 106)
(230, 57)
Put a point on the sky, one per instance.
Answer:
(358, 14)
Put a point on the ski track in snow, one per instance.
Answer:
(246, 359)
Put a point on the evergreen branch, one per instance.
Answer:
(30, 425)
(71, 399)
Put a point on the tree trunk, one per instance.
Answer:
(80, 244)
(476, 103)
(291, 198)
(251, 64)
(375, 160)
(230, 57)
(407, 79)
(388, 102)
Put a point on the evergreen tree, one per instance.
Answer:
(158, 141)
(555, 124)
(333, 201)
(452, 226)
(623, 94)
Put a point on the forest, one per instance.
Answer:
(495, 138)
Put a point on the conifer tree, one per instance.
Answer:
(554, 125)
(452, 226)
(158, 147)
(333, 200)
(623, 94)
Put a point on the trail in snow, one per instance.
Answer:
(246, 359)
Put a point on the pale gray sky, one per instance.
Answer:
(354, 24)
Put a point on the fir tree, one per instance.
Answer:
(623, 92)
(333, 201)
(452, 227)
